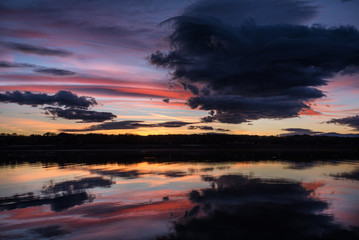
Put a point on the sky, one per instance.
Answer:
(264, 67)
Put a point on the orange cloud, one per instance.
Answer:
(309, 112)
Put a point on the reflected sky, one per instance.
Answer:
(107, 201)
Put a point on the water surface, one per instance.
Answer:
(146, 200)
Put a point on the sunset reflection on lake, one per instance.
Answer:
(143, 200)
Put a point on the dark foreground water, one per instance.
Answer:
(195, 200)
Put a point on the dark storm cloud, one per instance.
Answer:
(30, 49)
(79, 114)
(61, 98)
(252, 71)
(193, 89)
(73, 107)
(54, 71)
(237, 109)
(298, 131)
(262, 11)
(347, 121)
(127, 125)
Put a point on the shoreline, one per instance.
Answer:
(175, 153)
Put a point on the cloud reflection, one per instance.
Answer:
(135, 173)
(59, 196)
(353, 175)
(50, 231)
(242, 207)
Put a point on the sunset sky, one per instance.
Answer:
(266, 67)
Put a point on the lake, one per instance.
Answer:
(184, 200)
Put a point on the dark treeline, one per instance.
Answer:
(173, 140)
(99, 148)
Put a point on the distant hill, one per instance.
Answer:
(334, 134)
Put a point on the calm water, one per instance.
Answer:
(144, 200)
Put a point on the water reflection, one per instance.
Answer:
(240, 207)
(131, 174)
(58, 202)
(195, 200)
(353, 175)
(49, 231)
(60, 196)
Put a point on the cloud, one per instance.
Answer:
(207, 128)
(298, 131)
(50, 71)
(106, 126)
(261, 11)
(243, 71)
(5, 64)
(193, 89)
(79, 114)
(347, 121)
(128, 125)
(172, 124)
(30, 49)
(61, 98)
(238, 109)
(126, 24)
(222, 130)
(63, 104)
(54, 71)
